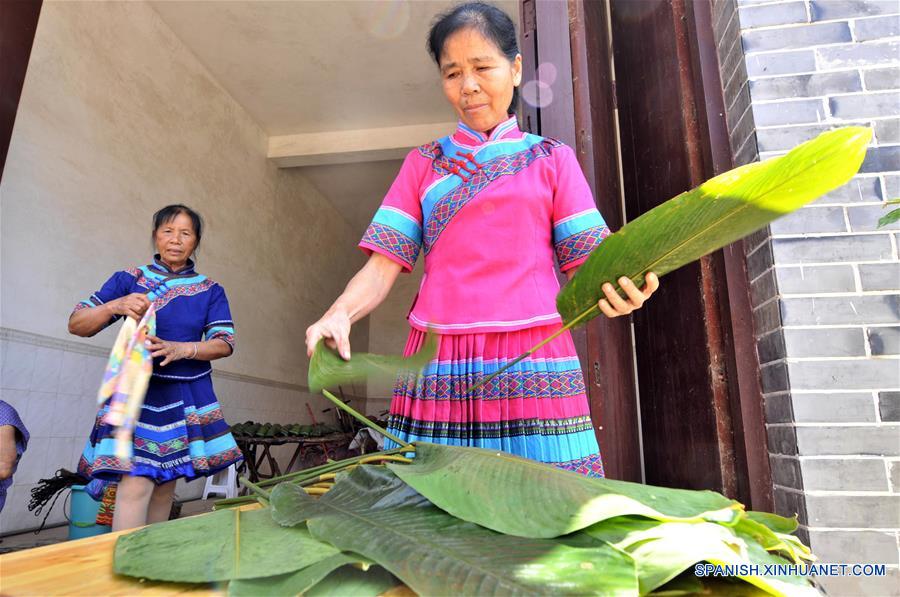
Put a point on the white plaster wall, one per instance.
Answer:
(117, 118)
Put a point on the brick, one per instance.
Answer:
(759, 261)
(857, 407)
(766, 318)
(790, 503)
(778, 408)
(794, 112)
(870, 247)
(876, 28)
(889, 406)
(788, 38)
(747, 153)
(852, 55)
(782, 439)
(853, 511)
(894, 467)
(742, 130)
(815, 278)
(811, 85)
(786, 472)
(731, 62)
(773, 14)
(733, 85)
(887, 131)
(879, 79)
(865, 105)
(865, 218)
(829, 342)
(859, 374)
(722, 12)
(853, 441)
(763, 288)
(844, 474)
(859, 189)
(753, 241)
(891, 186)
(882, 159)
(869, 547)
(880, 276)
(823, 10)
(781, 63)
(788, 137)
(884, 341)
(774, 378)
(738, 105)
(880, 586)
(770, 348)
(809, 220)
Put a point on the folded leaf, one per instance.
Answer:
(217, 546)
(663, 550)
(328, 370)
(293, 583)
(353, 582)
(718, 212)
(375, 514)
(522, 497)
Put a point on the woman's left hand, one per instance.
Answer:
(615, 306)
(172, 351)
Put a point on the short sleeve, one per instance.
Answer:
(119, 285)
(578, 227)
(219, 325)
(396, 228)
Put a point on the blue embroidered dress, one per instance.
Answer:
(181, 431)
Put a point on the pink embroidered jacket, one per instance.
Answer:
(490, 213)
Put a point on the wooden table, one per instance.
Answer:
(256, 450)
(85, 567)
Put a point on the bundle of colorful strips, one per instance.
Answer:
(127, 375)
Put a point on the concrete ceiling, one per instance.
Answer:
(310, 66)
(305, 66)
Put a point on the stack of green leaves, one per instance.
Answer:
(467, 521)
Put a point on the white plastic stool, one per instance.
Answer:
(229, 489)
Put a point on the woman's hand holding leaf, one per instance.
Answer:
(616, 306)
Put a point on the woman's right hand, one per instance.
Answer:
(132, 305)
(335, 328)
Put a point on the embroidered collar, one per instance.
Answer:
(508, 129)
(160, 267)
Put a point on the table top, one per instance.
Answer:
(85, 567)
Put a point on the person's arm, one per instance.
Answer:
(205, 350)
(89, 321)
(8, 453)
(365, 291)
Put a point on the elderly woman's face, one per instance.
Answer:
(478, 79)
(176, 240)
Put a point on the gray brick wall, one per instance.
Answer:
(825, 282)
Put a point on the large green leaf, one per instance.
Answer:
(718, 212)
(217, 546)
(375, 514)
(292, 583)
(328, 370)
(353, 582)
(522, 497)
(663, 550)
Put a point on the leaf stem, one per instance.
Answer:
(310, 473)
(536, 347)
(255, 488)
(362, 418)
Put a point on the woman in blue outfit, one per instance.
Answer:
(181, 432)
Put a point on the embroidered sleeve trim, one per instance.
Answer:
(578, 246)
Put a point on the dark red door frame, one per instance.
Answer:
(700, 398)
(18, 22)
(572, 37)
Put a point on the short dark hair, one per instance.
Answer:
(487, 19)
(169, 212)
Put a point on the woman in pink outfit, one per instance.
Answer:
(491, 208)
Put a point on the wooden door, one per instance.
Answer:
(695, 420)
(582, 116)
